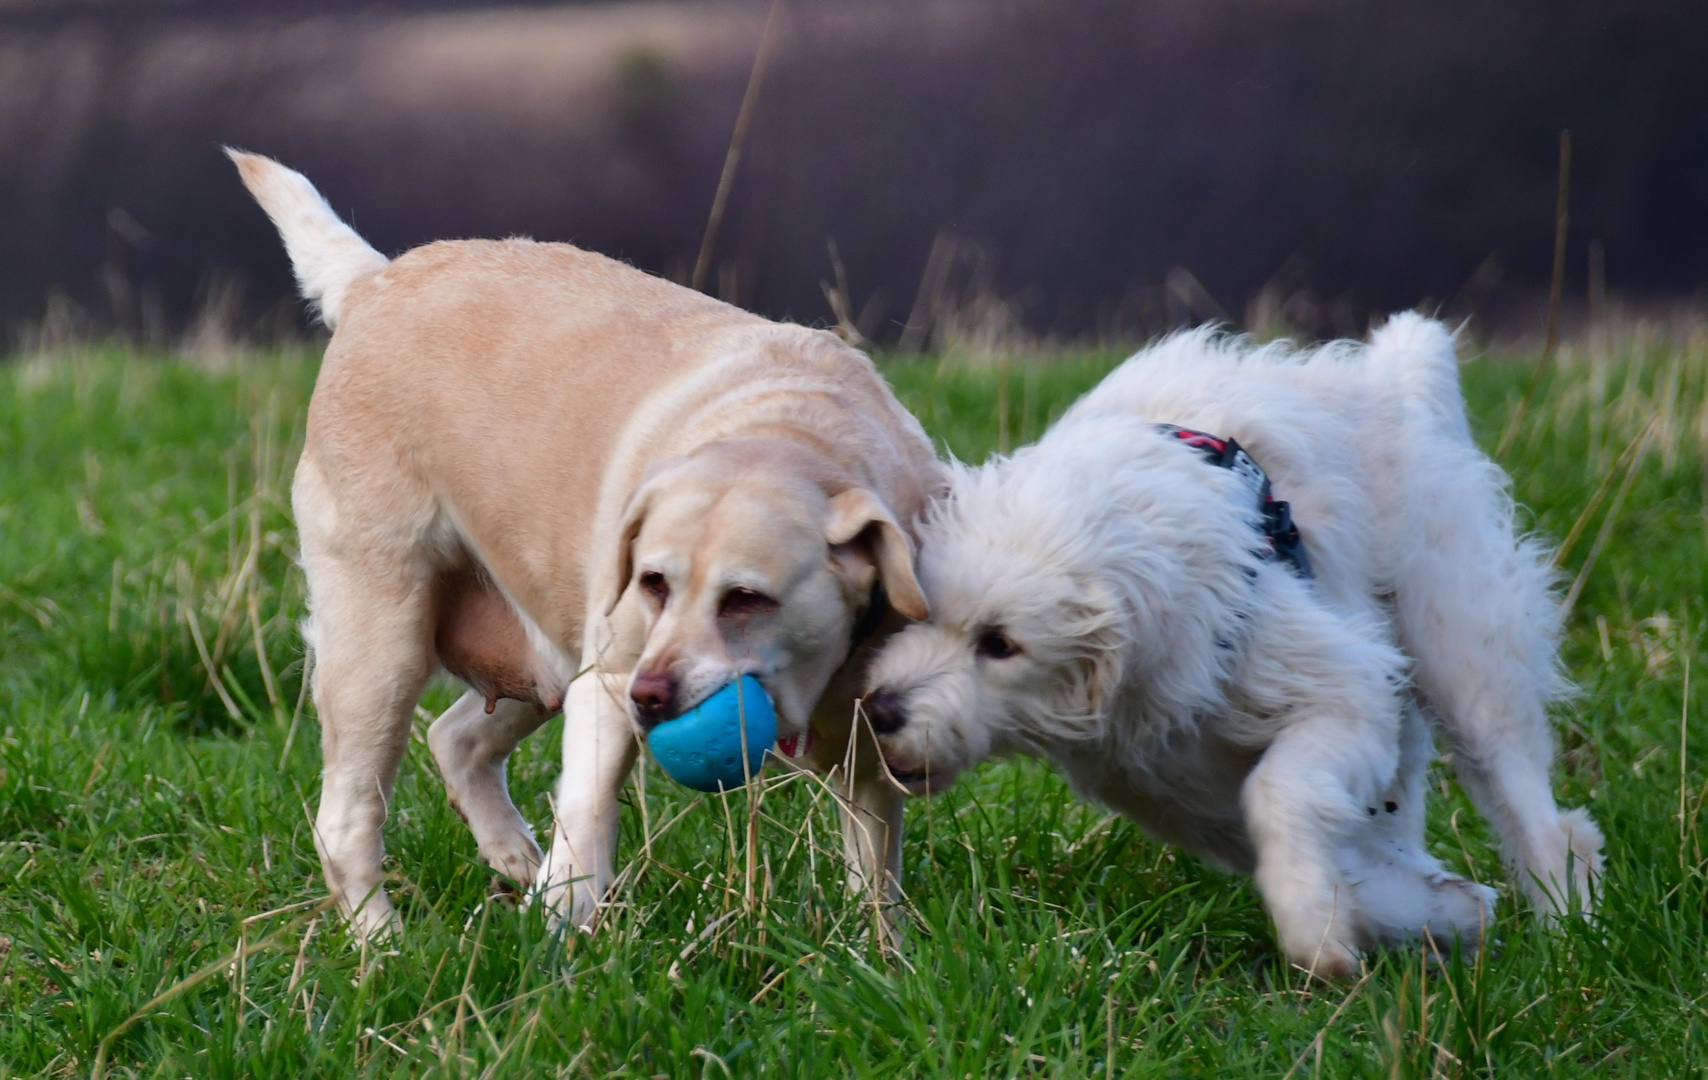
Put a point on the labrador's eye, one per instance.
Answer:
(745, 602)
(653, 584)
(996, 645)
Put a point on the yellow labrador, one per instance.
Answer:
(525, 461)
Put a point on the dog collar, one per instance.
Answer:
(1281, 537)
(796, 746)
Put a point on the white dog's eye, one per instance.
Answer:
(738, 603)
(653, 584)
(995, 645)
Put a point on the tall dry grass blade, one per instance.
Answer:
(268, 682)
(737, 140)
(33, 610)
(1562, 221)
(840, 298)
(526, 1037)
(231, 506)
(921, 321)
(734, 856)
(236, 584)
(1606, 527)
(1683, 764)
(1596, 257)
(296, 714)
(455, 1035)
(214, 680)
(113, 598)
(1556, 290)
(1588, 511)
(781, 975)
(1184, 287)
(1515, 419)
(1109, 1030)
(752, 806)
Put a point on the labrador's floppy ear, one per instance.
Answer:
(856, 515)
(634, 516)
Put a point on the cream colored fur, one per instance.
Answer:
(563, 422)
(1271, 725)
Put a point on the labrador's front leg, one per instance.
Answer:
(598, 752)
(471, 742)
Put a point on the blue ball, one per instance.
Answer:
(701, 749)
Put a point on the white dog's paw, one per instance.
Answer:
(1401, 906)
(1563, 878)
(1319, 938)
(1459, 909)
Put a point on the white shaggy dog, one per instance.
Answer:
(1109, 599)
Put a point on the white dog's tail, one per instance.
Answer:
(1418, 351)
(326, 254)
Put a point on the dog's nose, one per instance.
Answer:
(654, 695)
(883, 709)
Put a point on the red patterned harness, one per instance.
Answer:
(1280, 536)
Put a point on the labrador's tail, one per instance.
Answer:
(326, 254)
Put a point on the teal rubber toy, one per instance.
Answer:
(701, 749)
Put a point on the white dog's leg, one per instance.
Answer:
(871, 836)
(471, 747)
(1476, 611)
(1300, 815)
(1399, 888)
(1502, 750)
(598, 751)
(1334, 683)
(1557, 855)
(1475, 608)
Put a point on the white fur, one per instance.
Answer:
(327, 255)
(1264, 722)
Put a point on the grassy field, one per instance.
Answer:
(160, 908)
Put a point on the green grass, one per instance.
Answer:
(159, 890)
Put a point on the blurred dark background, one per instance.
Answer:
(1061, 167)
